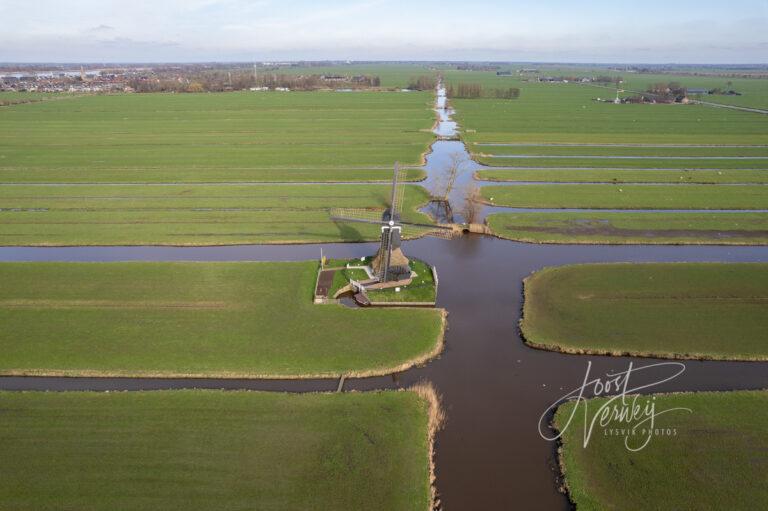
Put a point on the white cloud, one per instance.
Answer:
(188, 30)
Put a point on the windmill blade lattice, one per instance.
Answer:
(398, 191)
(372, 216)
(390, 264)
(436, 231)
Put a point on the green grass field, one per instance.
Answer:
(608, 196)
(551, 113)
(201, 450)
(587, 162)
(556, 133)
(716, 459)
(680, 310)
(197, 319)
(77, 171)
(188, 214)
(632, 228)
(248, 136)
(754, 90)
(565, 175)
(620, 156)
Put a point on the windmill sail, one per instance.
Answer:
(390, 264)
(398, 192)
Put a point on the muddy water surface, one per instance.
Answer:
(494, 387)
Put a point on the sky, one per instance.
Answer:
(649, 31)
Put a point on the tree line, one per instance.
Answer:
(222, 80)
(475, 90)
(423, 82)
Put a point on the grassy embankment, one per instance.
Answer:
(716, 459)
(560, 175)
(194, 147)
(197, 319)
(656, 156)
(190, 450)
(633, 228)
(609, 196)
(671, 310)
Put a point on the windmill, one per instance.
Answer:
(389, 264)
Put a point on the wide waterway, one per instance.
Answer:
(494, 388)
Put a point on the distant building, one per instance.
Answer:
(698, 91)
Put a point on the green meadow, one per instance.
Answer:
(603, 153)
(201, 450)
(566, 113)
(189, 214)
(637, 196)
(712, 458)
(197, 319)
(672, 310)
(565, 175)
(184, 169)
(754, 91)
(240, 136)
(586, 162)
(732, 228)
(607, 155)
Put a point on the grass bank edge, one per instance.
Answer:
(424, 391)
(436, 420)
(417, 361)
(566, 484)
(579, 239)
(533, 340)
(534, 241)
(282, 294)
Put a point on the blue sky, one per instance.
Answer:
(562, 31)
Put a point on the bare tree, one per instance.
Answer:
(443, 183)
(472, 205)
